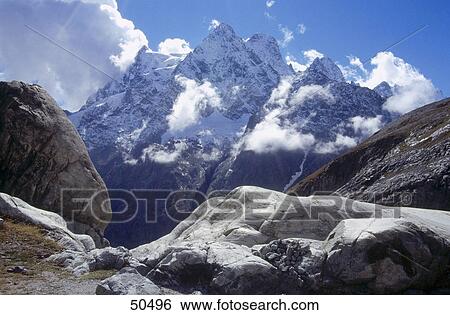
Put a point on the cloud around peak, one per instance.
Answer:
(191, 103)
(410, 87)
(174, 46)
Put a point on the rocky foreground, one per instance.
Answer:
(257, 241)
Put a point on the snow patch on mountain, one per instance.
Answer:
(162, 155)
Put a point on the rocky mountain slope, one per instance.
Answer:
(44, 161)
(200, 121)
(406, 163)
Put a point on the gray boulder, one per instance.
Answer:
(127, 282)
(44, 161)
(384, 256)
(252, 215)
(216, 267)
(98, 259)
(53, 224)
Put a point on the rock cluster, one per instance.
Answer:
(216, 267)
(358, 255)
(98, 259)
(298, 260)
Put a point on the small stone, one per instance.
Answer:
(2, 222)
(18, 269)
(272, 256)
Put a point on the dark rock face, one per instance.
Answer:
(406, 164)
(42, 155)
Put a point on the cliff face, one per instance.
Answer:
(406, 163)
(44, 161)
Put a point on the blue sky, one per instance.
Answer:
(335, 28)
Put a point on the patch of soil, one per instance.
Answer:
(27, 246)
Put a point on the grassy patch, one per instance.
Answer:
(98, 275)
(24, 245)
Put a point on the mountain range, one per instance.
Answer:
(229, 113)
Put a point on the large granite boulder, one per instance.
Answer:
(44, 161)
(384, 256)
(251, 215)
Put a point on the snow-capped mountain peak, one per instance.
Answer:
(384, 90)
(325, 66)
(266, 48)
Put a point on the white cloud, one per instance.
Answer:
(308, 55)
(356, 62)
(190, 103)
(411, 88)
(271, 136)
(288, 35)
(292, 61)
(307, 92)
(409, 97)
(341, 142)
(174, 46)
(301, 29)
(131, 39)
(109, 42)
(311, 54)
(280, 94)
(270, 3)
(213, 24)
(272, 133)
(366, 126)
(159, 154)
(355, 71)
